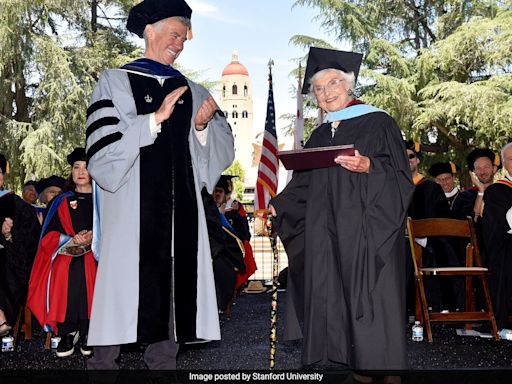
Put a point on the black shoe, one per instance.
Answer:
(66, 345)
(84, 348)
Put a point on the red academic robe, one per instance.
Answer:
(48, 286)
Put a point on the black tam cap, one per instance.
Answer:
(322, 58)
(52, 181)
(225, 183)
(3, 163)
(151, 11)
(477, 153)
(440, 168)
(413, 146)
(78, 154)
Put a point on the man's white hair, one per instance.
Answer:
(158, 25)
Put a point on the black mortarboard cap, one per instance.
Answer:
(3, 163)
(52, 181)
(225, 183)
(477, 153)
(413, 146)
(322, 58)
(443, 167)
(151, 11)
(78, 154)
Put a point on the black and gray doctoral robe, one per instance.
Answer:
(152, 241)
(344, 236)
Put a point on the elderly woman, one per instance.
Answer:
(18, 244)
(343, 228)
(62, 280)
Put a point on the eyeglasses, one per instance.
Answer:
(411, 155)
(333, 84)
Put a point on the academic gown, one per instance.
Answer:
(61, 286)
(16, 257)
(343, 233)
(155, 277)
(498, 246)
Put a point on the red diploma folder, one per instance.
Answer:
(312, 158)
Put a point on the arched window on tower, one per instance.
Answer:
(246, 91)
(224, 91)
(245, 114)
(235, 89)
(235, 115)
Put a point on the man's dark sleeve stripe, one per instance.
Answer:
(105, 103)
(104, 121)
(102, 143)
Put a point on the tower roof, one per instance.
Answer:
(235, 68)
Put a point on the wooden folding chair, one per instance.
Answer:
(23, 324)
(441, 227)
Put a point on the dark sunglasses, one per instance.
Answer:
(411, 155)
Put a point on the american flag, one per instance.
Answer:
(266, 185)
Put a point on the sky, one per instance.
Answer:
(258, 30)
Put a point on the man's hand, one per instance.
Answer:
(167, 107)
(205, 113)
(272, 210)
(476, 182)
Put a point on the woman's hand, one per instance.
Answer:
(82, 238)
(6, 228)
(356, 163)
(272, 210)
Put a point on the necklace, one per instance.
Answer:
(334, 127)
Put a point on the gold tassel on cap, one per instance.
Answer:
(453, 167)
(7, 168)
(497, 160)
(189, 33)
(416, 147)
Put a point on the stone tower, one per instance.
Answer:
(236, 102)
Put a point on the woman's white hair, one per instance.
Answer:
(349, 77)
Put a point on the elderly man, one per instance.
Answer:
(444, 174)
(154, 140)
(497, 234)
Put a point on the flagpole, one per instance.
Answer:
(299, 118)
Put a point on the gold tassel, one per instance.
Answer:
(7, 168)
(453, 167)
(497, 161)
(416, 147)
(189, 33)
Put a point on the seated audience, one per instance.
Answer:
(18, 244)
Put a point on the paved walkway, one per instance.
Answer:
(245, 347)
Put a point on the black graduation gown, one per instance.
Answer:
(498, 246)
(16, 257)
(344, 234)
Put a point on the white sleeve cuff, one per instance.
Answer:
(154, 128)
(202, 136)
